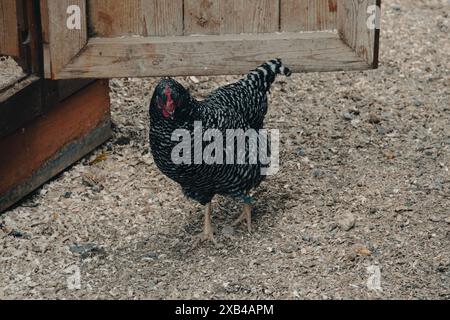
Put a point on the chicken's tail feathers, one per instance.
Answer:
(281, 68)
(263, 77)
(276, 67)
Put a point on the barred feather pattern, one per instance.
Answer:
(241, 105)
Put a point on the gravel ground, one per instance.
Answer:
(364, 190)
(10, 72)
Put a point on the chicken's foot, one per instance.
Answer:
(208, 231)
(246, 216)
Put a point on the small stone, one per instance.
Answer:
(67, 195)
(89, 250)
(331, 202)
(374, 118)
(194, 79)
(152, 284)
(301, 152)
(381, 130)
(388, 154)
(15, 234)
(88, 182)
(386, 115)
(417, 103)
(123, 141)
(317, 173)
(396, 7)
(355, 122)
(447, 220)
(333, 227)
(115, 83)
(82, 248)
(306, 238)
(400, 209)
(363, 251)
(352, 256)
(347, 222)
(287, 249)
(348, 116)
(38, 248)
(438, 185)
(109, 146)
(443, 27)
(435, 219)
(151, 255)
(91, 183)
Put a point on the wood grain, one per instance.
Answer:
(45, 26)
(231, 16)
(64, 43)
(354, 31)
(135, 17)
(308, 15)
(211, 55)
(9, 32)
(163, 17)
(50, 143)
(57, 163)
(233, 37)
(115, 18)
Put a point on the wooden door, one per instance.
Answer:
(108, 38)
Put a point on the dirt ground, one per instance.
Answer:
(364, 187)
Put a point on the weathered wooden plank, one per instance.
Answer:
(115, 18)
(231, 16)
(64, 43)
(250, 16)
(26, 94)
(163, 17)
(9, 33)
(51, 143)
(56, 164)
(353, 17)
(202, 17)
(211, 55)
(135, 17)
(57, 91)
(35, 96)
(308, 15)
(45, 25)
(45, 21)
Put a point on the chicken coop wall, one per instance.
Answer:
(210, 37)
(208, 17)
(45, 126)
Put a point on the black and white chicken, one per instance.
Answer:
(242, 105)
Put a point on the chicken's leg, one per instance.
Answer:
(246, 216)
(208, 231)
